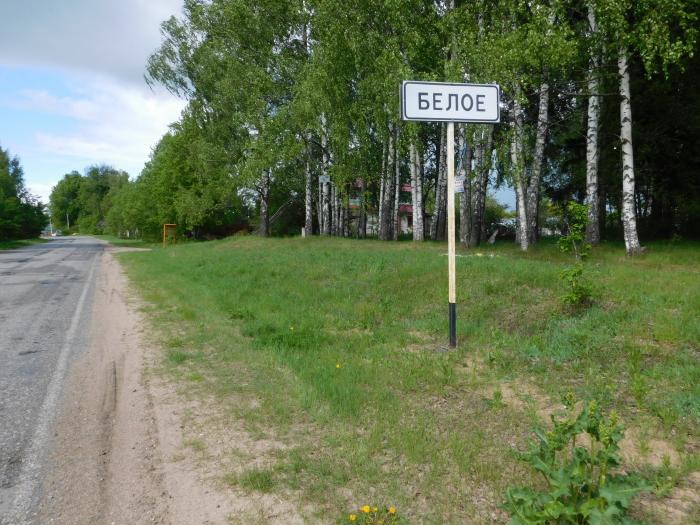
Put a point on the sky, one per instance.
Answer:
(72, 92)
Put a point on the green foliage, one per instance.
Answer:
(85, 201)
(579, 292)
(21, 215)
(574, 240)
(578, 459)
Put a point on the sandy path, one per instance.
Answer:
(114, 453)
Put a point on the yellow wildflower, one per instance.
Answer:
(353, 517)
(337, 365)
(375, 509)
(392, 510)
(365, 509)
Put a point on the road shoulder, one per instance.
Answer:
(116, 440)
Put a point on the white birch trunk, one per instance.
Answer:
(516, 157)
(483, 168)
(334, 209)
(265, 204)
(319, 208)
(465, 162)
(396, 220)
(325, 186)
(387, 194)
(629, 218)
(416, 193)
(382, 183)
(533, 188)
(308, 199)
(437, 228)
(592, 154)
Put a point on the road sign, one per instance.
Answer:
(459, 184)
(446, 102)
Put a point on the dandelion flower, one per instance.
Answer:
(353, 517)
(365, 509)
(392, 510)
(337, 365)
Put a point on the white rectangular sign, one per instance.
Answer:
(446, 102)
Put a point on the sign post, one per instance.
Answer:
(447, 102)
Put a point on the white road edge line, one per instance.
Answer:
(29, 475)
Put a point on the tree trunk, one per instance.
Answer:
(416, 193)
(334, 210)
(533, 189)
(396, 222)
(629, 219)
(308, 199)
(592, 154)
(438, 167)
(319, 207)
(326, 186)
(362, 221)
(483, 168)
(516, 158)
(479, 189)
(464, 171)
(438, 226)
(265, 204)
(387, 193)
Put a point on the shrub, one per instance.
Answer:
(579, 292)
(577, 459)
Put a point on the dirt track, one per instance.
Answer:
(115, 455)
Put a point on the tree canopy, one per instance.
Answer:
(294, 105)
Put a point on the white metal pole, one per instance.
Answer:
(452, 295)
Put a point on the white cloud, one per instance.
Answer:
(118, 124)
(113, 37)
(100, 111)
(42, 191)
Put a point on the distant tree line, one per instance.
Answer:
(21, 214)
(83, 202)
(293, 118)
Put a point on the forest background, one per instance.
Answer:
(282, 92)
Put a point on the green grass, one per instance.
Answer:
(117, 241)
(21, 243)
(341, 344)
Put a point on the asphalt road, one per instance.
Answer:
(46, 292)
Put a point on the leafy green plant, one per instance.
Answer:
(578, 460)
(579, 291)
(367, 515)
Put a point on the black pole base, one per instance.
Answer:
(453, 325)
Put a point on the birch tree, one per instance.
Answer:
(662, 32)
(593, 124)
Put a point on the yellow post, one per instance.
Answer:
(452, 295)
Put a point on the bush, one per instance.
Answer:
(577, 460)
(579, 292)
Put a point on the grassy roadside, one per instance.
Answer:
(20, 243)
(117, 241)
(330, 354)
